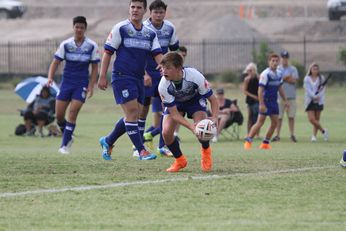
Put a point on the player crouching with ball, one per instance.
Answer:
(184, 90)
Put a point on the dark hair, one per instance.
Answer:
(44, 88)
(144, 2)
(172, 58)
(80, 19)
(183, 49)
(157, 4)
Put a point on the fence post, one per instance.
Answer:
(304, 49)
(203, 56)
(9, 57)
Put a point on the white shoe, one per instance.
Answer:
(64, 150)
(135, 152)
(313, 139)
(326, 135)
(69, 144)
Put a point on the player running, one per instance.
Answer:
(168, 40)
(133, 43)
(78, 52)
(184, 90)
(270, 84)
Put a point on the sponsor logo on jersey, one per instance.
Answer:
(130, 32)
(125, 93)
(202, 102)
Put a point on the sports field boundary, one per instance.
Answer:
(162, 181)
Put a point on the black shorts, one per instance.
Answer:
(314, 107)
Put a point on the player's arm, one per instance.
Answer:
(93, 78)
(147, 80)
(52, 69)
(158, 59)
(176, 116)
(283, 96)
(262, 106)
(214, 105)
(102, 82)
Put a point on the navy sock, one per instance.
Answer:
(133, 132)
(119, 130)
(68, 131)
(162, 141)
(205, 144)
(62, 125)
(344, 155)
(141, 126)
(248, 139)
(155, 131)
(266, 141)
(150, 128)
(175, 149)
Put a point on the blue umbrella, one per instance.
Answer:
(30, 87)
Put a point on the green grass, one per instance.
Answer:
(250, 196)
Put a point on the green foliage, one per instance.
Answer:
(260, 57)
(342, 55)
(301, 72)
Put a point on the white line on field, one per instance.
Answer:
(123, 184)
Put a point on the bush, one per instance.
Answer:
(342, 56)
(260, 58)
(301, 72)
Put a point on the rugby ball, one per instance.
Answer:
(205, 130)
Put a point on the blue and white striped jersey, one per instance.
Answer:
(192, 87)
(271, 81)
(77, 59)
(168, 39)
(133, 48)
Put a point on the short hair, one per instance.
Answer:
(183, 49)
(273, 55)
(80, 19)
(143, 1)
(172, 58)
(157, 4)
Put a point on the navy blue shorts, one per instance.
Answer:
(272, 108)
(190, 107)
(153, 90)
(127, 88)
(69, 92)
(156, 104)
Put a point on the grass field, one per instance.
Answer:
(291, 187)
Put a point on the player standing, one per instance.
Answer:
(184, 90)
(133, 43)
(168, 40)
(270, 84)
(78, 52)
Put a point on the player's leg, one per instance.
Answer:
(249, 118)
(254, 130)
(148, 140)
(60, 111)
(206, 158)
(273, 125)
(168, 127)
(279, 123)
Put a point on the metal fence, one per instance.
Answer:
(33, 58)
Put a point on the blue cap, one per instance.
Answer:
(285, 54)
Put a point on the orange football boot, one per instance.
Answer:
(206, 160)
(247, 145)
(265, 146)
(178, 164)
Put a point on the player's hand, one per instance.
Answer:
(147, 80)
(262, 108)
(102, 83)
(49, 82)
(90, 91)
(215, 120)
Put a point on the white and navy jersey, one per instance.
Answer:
(167, 38)
(193, 86)
(77, 59)
(133, 48)
(271, 81)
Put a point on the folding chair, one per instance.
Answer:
(231, 130)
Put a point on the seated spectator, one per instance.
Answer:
(40, 112)
(226, 111)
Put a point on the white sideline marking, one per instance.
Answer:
(123, 184)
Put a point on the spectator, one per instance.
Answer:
(289, 77)
(40, 112)
(250, 89)
(226, 107)
(183, 51)
(314, 100)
